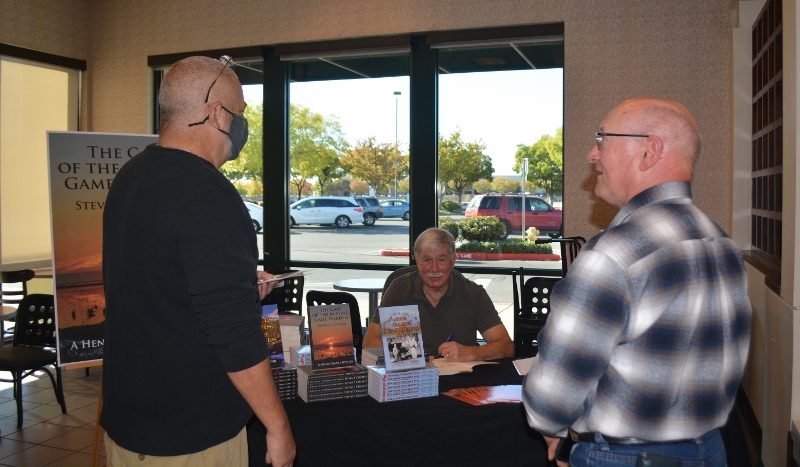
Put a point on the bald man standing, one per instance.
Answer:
(644, 350)
(185, 362)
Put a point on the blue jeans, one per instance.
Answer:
(705, 451)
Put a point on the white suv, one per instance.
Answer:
(337, 210)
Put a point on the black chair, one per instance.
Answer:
(317, 298)
(289, 297)
(531, 309)
(11, 296)
(397, 273)
(34, 347)
(570, 247)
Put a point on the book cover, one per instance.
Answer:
(270, 326)
(331, 336)
(402, 337)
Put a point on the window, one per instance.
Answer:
(38, 92)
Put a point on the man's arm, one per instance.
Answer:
(373, 337)
(498, 345)
(256, 386)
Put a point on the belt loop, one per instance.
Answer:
(600, 441)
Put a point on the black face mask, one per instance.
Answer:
(238, 134)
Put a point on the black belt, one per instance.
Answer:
(589, 437)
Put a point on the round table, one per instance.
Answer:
(372, 285)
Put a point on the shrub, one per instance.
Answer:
(448, 224)
(451, 206)
(505, 246)
(482, 229)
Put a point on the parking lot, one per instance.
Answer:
(359, 244)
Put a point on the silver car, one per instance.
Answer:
(338, 210)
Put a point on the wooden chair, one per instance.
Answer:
(531, 309)
(317, 298)
(34, 347)
(13, 288)
(289, 297)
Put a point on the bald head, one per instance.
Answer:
(183, 91)
(669, 120)
(644, 142)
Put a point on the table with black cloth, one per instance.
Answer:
(435, 431)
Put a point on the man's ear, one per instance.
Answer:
(215, 115)
(653, 151)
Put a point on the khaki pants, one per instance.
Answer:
(228, 453)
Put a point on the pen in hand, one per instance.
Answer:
(449, 338)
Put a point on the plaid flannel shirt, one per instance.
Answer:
(650, 329)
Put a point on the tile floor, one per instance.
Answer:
(48, 437)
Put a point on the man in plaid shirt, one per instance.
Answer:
(649, 333)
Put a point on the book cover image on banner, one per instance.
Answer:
(82, 167)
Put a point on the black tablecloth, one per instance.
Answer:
(431, 431)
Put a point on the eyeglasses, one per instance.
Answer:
(225, 60)
(599, 137)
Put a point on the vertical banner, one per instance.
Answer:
(82, 167)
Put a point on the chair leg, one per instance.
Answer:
(60, 390)
(18, 396)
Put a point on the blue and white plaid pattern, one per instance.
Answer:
(649, 331)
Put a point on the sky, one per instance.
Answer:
(502, 109)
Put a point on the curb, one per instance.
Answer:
(486, 256)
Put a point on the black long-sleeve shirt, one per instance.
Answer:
(179, 266)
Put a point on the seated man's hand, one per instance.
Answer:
(455, 352)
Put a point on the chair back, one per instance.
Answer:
(317, 298)
(11, 296)
(532, 314)
(289, 297)
(397, 273)
(570, 247)
(36, 321)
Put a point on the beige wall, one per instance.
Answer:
(613, 50)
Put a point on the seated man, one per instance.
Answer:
(448, 304)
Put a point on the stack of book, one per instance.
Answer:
(398, 385)
(300, 355)
(292, 330)
(372, 356)
(336, 383)
(285, 382)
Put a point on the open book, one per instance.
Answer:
(451, 368)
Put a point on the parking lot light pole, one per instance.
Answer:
(396, 98)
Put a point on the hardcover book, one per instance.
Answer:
(402, 337)
(270, 326)
(331, 336)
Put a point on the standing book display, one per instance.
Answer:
(333, 373)
(402, 337)
(406, 374)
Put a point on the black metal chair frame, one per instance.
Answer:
(289, 297)
(13, 297)
(531, 309)
(317, 298)
(34, 348)
(570, 247)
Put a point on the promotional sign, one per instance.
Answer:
(82, 167)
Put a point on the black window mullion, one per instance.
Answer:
(275, 173)
(424, 137)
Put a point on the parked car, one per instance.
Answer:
(372, 208)
(338, 210)
(396, 208)
(538, 212)
(256, 213)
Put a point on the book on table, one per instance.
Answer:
(270, 326)
(331, 336)
(335, 383)
(372, 356)
(399, 385)
(402, 337)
